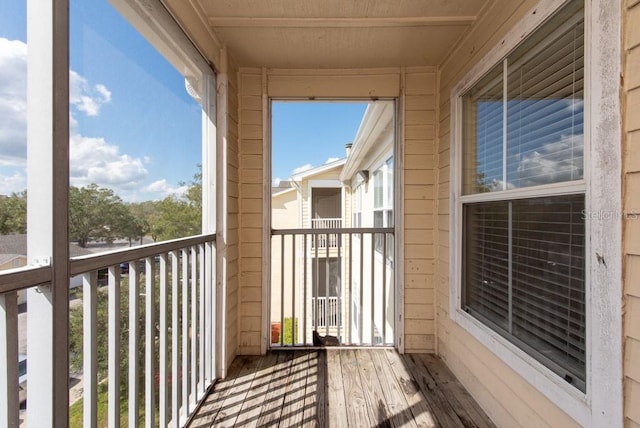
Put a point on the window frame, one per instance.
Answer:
(382, 173)
(601, 405)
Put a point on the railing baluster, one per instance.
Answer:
(175, 344)
(282, 290)
(350, 299)
(384, 288)
(327, 277)
(163, 403)
(90, 349)
(134, 335)
(304, 305)
(150, 328)
(9, 405)
(185, 334)
(294, 329)
(114, 347)
(373, 287)
(201, 319)
(209, 312)
(360, 313)
(339, 299)
(193, 332)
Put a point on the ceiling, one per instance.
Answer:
(328, 33)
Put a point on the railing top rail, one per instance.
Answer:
(324, 231)
(24, 277)
(31, 276)
(91, 262)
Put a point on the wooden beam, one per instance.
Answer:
(401, 21)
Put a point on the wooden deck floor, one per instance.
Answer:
(340, 388)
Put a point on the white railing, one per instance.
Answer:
(332, 240)
(347, 292)
(327, 310)
(170, 333)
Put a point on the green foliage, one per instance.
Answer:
(177, 217)
(13, 213)
(76, 334)
(290, 331)
(98, 214)
(95, 213)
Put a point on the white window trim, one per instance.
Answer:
(602, 404)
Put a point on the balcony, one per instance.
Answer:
(340, 388)
(327, 240)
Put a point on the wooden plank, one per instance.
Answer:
(213, 403)
(270, 414)
(233, 402)
(462, 402)
(295, 391)
(337, 408)
(442, 409)
(419, 407)
(379, 413)
(323, 380)
(356, 405)
(312, 392)
(393, 396)
(252, 405)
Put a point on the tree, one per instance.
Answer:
(178, 217)
(13, 213)
(95, 213)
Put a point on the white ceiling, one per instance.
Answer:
(329, 33)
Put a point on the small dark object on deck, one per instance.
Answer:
(324, 340)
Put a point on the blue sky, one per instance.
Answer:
(308, 134)
(134, 128)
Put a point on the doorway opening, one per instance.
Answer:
(332, 219)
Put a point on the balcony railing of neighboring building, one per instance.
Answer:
(170, 302)
(324, 241)
(354, 303)
(327, 310)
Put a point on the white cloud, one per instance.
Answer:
(163, 188)
(276, 182)
(330, 160)
(13, 102)
(303, 168)
(12, 183)
(86, 98)
(93, 160)
(553, 162)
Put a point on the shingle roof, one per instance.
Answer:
(17, 245)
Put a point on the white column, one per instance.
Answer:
(47, 216)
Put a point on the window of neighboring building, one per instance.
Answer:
(523, 197)
(383, 202)
(357, 207)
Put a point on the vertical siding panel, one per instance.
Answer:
(631, 177)
(419, 213)
(251, 208)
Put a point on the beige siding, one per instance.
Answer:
(506, 397)
(632, 205)
(232, 219)
(419, 208)
(251, 211)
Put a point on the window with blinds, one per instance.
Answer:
(523, 271)
(523, 120)
(524, 276)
